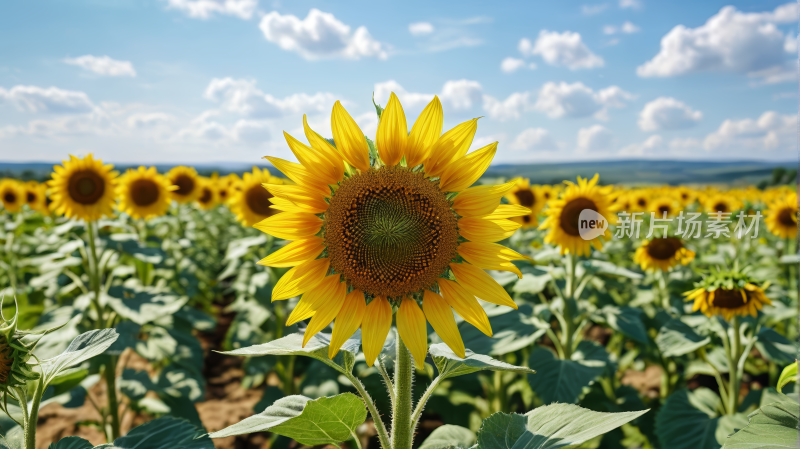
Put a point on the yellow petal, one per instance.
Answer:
(440, 315)
(463, 172)
(392, 134)
(478, 229)
(479, 201)
(349, 138)
(347, 321)
(290, 226)
(300, 279)
(326, 313)
(508, 211)
(451, 145)
(313, 161)
(300, 175)
(478, 283)
(375, 327)
(465, 305)
(300, 195)
(295, 253)
(335, 164)
(284, 205)
(413, 330)
(424, 133)
(491, 256)
(314, 298)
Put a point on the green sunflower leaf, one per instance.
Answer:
(690, 420)
(83, 347)
(449, 437)
(676, 338)
(451, 365)
(559, 380)
(772, 426)
(327, 420)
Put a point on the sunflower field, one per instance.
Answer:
(381, 292)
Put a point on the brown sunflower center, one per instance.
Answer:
(257, 199)
(525, 197)
(30, 197)
(721, 207)
(526, 219)
(664, 209)
(86, 187)
(206, 196)
(9, 197)
(571, 213)
(6, 360)
(144, 192)
(185, 184)
(664, 248)
(223, 194)
(641, 202)
(787, 216)
(729, 299)
(390, 231)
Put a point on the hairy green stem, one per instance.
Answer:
(402, 433)
(424, 400)
(33, 416)
(386, 380)
(383, 435)
(113, 402)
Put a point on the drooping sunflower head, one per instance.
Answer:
(186, 180)
(12, 194)
(14, 355)
(728, 293)
(251, 202)
(563, 215)
(782, 216)
(143, 193)
(208, 196)
(390, 226)
(662, 254)
(664, 205)
(83, 188)
(526, 195)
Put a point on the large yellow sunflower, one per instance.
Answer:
(83, 188)
(563, 215)
(396, 229)
(782, 216)
(12, 194)
(740, 300)
(251, 202)
(36, 196)
(144, 193)
(186, 180)
(208, 196)
(528, 196)
(662, 254)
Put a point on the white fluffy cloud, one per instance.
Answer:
(103, 65)
(148, 120)
(630, 4)
(511, 65)
(50, 99)
(667, 113)
(456, 95)
(590, 10)
(533, 139)
(420, 28)
(561, 49)
(242, 97)
(652, 144)
(730, 41)
(625, 28)
(320, 36)
(510, 108)
(204, 9)
(594, 138)
(770, 132)
(577, 100)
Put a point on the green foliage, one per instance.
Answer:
(559, 380)
(772, 426)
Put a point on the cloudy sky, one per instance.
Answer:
(198, 81)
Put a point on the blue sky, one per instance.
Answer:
(198, 81)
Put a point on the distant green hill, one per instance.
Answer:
(611, 172)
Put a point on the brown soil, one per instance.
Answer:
(647, 382)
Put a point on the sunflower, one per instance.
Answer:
(227, 186)
(208, 196)
(12, 194)
(685, 195)
(251, 202)
(563, 215)
(83, 188)
(547, 192)
(186, 180)
(144, 193)
(662, 254)
(528, 196)
(728, 294)
(36, 196)
(782, 217)
(378, 232)
(640, 200)
(663, 205)
(720, 203)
